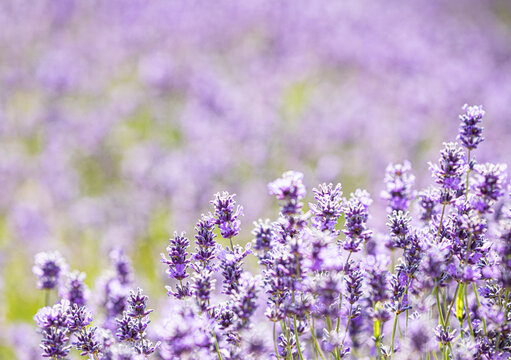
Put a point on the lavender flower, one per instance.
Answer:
(328, 208)
(263, 237)
(48, 267)
(377, 278)
(206, 245)
(87, 342)
(428, 199)
(178, 263)
(122, 266)
(398, 183)
(231, 266)
(289, 190)
(399, 227)
(488, 186)
(54, 343)
(449, 172)
(202, 286)
(244, 301)
(356, 214)
(75, 289)
(470, 133)
(227, 214)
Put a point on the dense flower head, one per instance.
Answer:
(54, 316)
(122, 266)
(428, 199)
(232, 267)
(137, 304)
(128, 329)
(203, 285)
(48, 267)
(263, 237)
(227, 214)
(377, 278)
(399, 227)
(87, 342)
(205, 241)
(398, 186)
(74, 289)
(289, 190)
(353, 281)
(79, 317)
(178, 257)
(328, 206)
(244, 301)
(184, 335)
(55, 343)
(470, 132)
(448, 173)
(489, 185)
(357, 215)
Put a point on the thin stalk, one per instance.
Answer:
(216, 346)
(468, 313)
(497, 346)
(468, 176)
(296, 332)
(479, 305)
(47, 297)
(275, 340)
(315, 340)
(450, 308)
(440, 315)
(441, 221)
(393, 335)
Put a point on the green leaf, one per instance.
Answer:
(460, 303)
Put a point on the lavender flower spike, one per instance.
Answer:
(398, 183)
(227, 214)
(178, 263)
(48, 266)
(470, 133)
(290, 190)
(449, 172)
(328, 208)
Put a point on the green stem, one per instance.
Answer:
(47, 294)
(468, 312)
(497, 346)
(441, 221)
(216, 346)
(450, 308)
(440, 315)
(468, 176)
(393, 335)
(479, 306)
(315, 340)
(275, 340)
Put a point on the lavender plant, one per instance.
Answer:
(438, 287)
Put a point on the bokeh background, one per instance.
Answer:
(120, 119)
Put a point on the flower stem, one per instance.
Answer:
(275, 340)
(468, 312)
(479, 305)
(314, 339)
(296, 332)
(216, 346)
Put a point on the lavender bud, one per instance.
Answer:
(48, 266)
(470, 133)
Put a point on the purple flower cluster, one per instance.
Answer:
(68, 323)
(331, 284)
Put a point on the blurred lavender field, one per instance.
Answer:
(120, 119)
